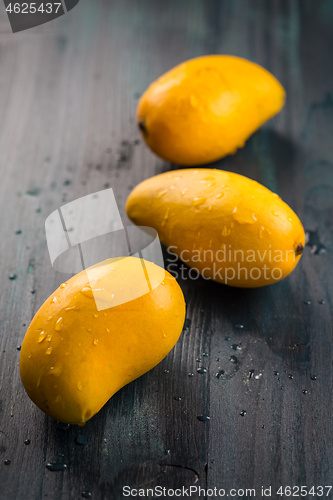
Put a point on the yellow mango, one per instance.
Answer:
(229, 228)
(75, 356)
(206, 108)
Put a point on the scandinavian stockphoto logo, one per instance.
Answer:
(24, 15)
(88, 231)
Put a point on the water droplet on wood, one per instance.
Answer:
(86, 494)
(81, 439)
(162, 193)
(203, 418)
(56, 467)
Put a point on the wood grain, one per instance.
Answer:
(68, 94)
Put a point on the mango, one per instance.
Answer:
(75, 356)
(227, 227)
(206, 108)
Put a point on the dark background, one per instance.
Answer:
(68, 95)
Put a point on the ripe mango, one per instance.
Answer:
(75, 357)
(206, 108)
(229, 228)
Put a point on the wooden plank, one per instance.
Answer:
(285, 437)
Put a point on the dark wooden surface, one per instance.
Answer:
(68, 94)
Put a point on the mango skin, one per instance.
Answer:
(198, 213)
(95, 353)
(206, 108)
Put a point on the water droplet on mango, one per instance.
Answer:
(87, 292)
(193, 101)
(41, 337)
(243, 216)
(166, 216)
(198, 201)
(56, 370)
(59, 325)
(162, 193)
